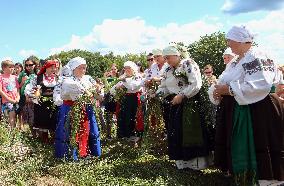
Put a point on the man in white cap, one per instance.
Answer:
(249, 132)
(152, 76)
(156, 67)
(150, 61)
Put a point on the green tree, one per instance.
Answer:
(209, 50)
(97, 63)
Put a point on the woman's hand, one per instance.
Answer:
(177, 99)
(24, 78)
(148, 83)
(88, 93)
(222, 89)
(219, 91)
(120, 87)
(216, 95)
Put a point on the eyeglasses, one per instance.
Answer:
(150, 59)
(29, 65)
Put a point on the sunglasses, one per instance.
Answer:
(29, 65)
(208, 72)
(150, 59)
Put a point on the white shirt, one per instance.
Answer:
(189, 84)
(133, 84)
(72, 87)
(154, 71)
(29, 90)
(251, 78)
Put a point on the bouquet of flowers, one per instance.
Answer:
(180, 74)
(153, 133)
(120, 93)
(109, 84)
(76, 114)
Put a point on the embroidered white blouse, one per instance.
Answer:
(154, 71)
(184, 79)
(133, 84)
(71, 87)
(251, 78)
(30, 88)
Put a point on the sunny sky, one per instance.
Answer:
(45, 27)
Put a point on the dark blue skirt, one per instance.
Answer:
(62, 134)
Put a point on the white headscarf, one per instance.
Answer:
(67, 70)
(240, 34)
(75, 62)
(157, 52)
(132, 65)
(171, 51)
(228, 51)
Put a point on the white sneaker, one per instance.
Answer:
(179, 164)
(134, 138)
(270, 183)
(198, 163)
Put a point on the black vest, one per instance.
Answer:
(45, 91)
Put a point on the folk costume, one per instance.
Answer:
(40, 91)
(249, 134)
(186, 132)
(129, 113)
(77, 133)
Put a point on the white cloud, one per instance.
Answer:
(26, 53)
(135, 36)
(242, 6)
(6, 58)
(270, 33)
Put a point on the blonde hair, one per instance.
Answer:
(6, 63)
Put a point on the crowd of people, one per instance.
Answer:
(234, 122)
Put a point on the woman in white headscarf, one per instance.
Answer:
(229, 57)
(186, 130)
(76, 132)
(130, 121)
(249, 133)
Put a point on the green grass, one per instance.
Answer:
(25, 161)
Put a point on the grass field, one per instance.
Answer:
(25, 161)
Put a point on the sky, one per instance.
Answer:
(43, 28)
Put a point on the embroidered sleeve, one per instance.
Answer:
(162, 89)
(112, 91)
(71, 89)
(57, 93)
(92, 80)
(194, 78)
(256, 82)
(133, 83)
